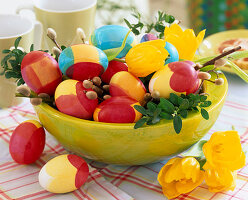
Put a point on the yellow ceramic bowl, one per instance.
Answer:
(121, 143)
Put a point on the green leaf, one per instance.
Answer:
(32, 47)
(174, 99)
(202, 162)
(167, 116)
(166, 106)
(203, 98)
(195, 150)
(184, 113)
(5, 51)
(206, 104)
(63, 47)
(184, 104)
(17, 41)
(10, 74)
(204, 114)
(170, 19)
(207, 68)
(159, 27)
(238, 71)
(177, 122)
(140, 109)
(20, 82)
(140, 123)
(128, 23)
(156, 117)
(151, 106)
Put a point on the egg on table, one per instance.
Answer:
(110, 37)
(41, 72)
(82, 62)
(125, 84)
(70, 98)
(117, 110)
(27, 142)
(64, 173)
(177, 77)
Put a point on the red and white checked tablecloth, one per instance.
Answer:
(107, 182)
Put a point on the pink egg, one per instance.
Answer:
(27, 142)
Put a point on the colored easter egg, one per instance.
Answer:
(64, 173)
(176, 77)
(174, 56)
(125, 84)
(110, 37)
(40, 72)
(82, 61)
(70, 98)
(27, 142)
(148, 37)
(113, 68)
(117, 110)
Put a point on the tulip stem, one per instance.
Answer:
(120, 60)
(212, 61)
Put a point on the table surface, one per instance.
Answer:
(110, 181)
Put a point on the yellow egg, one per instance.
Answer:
(64, 173)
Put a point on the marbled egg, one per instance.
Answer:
(64, 173)
(82, 61)
(40, 72)
(148, 37)
(70, 98)
(27, 142)
(125, 84)
(117, 110)
(110, 37)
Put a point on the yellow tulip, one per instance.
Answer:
(223, 150)
(179, 176)
(146, 58)
(185, 42)
(220, 179)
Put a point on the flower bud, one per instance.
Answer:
(98, 90)
(197, 66)
(51, 33)
(87, 84)
(35, 101)
(44, 95)
(24, 90)
(105, 97)
(56, 51)
(228, 49)
(106, 88)
(204, 76)
(91, 95)
(155, 94)
(219, 81)
(81, 34)
(147, 97)
(220, 62)
(97, 81)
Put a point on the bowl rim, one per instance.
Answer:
(55, 113)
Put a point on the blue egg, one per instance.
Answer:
(174, 56)
(110, 37)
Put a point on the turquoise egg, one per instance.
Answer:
(110, 37)
(174, 56)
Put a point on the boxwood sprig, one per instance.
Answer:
(174, 108)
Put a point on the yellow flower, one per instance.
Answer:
(179, 176)
(146, 57)
(185, 42)
(220, 179)
(223, 150)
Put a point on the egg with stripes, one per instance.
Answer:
(82, 62)
(27, 142)
(64, 173)
(110, 37)
(41, 72)
(70, 98)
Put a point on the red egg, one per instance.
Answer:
(117, 110)
(27, 142)
(113, 68)
(41, 72)
(70, 98)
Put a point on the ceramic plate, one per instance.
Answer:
(210, 45)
